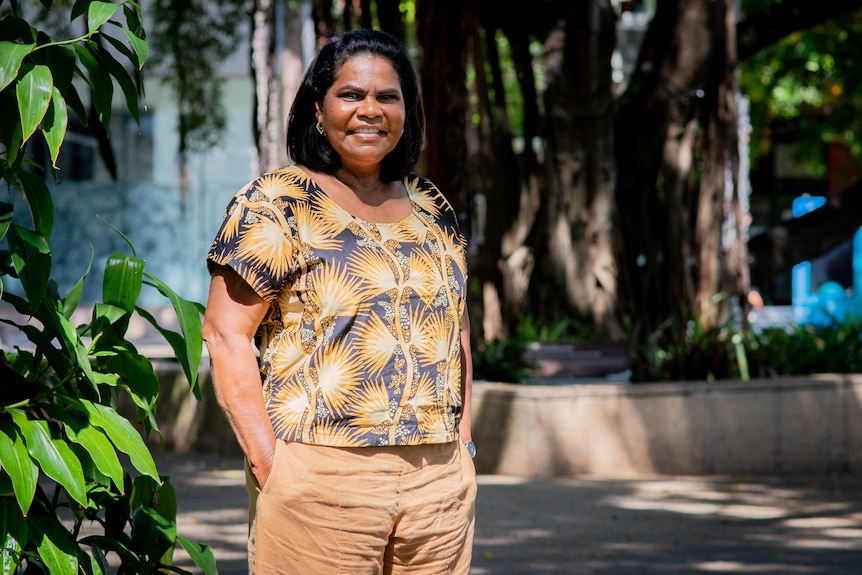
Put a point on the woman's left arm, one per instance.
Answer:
(466, 378)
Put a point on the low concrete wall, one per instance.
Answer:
(775, 426)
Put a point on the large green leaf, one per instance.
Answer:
(71, 300)
(33, 91)
(125, 81)
(39, 200)
(53, 316)
(54, 125)
(123, 279)
(56, 546)
(11, 56)
(189, 348)
(13, 535)
(100, 82)
(6, 211)
(135, 32)
(136, 375)
(100, 448)
(202, 555)
(31, 258)
(98, 13)
(152, 534)
(105, 543)
(123, 435)
(56, 459)
(15, 460)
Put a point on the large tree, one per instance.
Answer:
(610, 207)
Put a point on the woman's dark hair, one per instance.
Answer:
(307, 147)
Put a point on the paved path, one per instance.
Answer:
(595, 526)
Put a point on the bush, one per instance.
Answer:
(67, 495)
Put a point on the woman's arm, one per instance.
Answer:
(234, 312)
(466, 378)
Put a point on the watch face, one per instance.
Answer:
(471, 448)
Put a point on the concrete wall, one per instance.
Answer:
(776, 426)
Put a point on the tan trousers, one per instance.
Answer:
(365, 511)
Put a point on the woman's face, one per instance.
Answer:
(363, 112)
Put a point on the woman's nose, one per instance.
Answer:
(369, 108)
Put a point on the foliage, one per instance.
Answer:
(192, 37)
(807, 83)
(804, 349)
(696, 351)
(67, 497)
(504, 360)
(727, 351)
(501, 360)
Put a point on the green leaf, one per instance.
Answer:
(13, 535)
(135, 31)
(98, 561)
(152, 534)
(31, 258)
(139, 45)
(189, 348)
(57, 548)
(39, 200)
(123, 435)
(33, 91)
(105, 543)
(73, 298)
(121, 285)
(100, 449)
(137, 377)
(130, 91)
(99, 13)
(15, 460)
(54, 125)
(100, 82)
(56, 459)
(11, 56)
(202, 555)
(6, 211)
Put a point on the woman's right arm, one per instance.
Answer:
(234, 312)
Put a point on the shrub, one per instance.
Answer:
(67, 495)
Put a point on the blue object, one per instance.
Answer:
(817, 296)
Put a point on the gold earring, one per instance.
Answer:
(319, 127)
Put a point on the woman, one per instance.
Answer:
(349, 272)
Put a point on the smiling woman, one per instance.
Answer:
(349, 272)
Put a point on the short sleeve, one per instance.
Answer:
(256, 241)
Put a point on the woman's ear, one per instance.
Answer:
(317, 112)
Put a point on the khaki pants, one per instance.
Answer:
(365, 511)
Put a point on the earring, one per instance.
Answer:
(319, 127)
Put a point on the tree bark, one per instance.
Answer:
(576, 277)
(720, 228)
(266, 125)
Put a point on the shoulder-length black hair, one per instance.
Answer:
(306, 146)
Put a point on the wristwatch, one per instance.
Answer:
(471, 449)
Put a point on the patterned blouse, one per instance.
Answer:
(361, 345)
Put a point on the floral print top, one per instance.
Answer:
(361, 344)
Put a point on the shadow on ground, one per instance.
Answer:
(597, 526)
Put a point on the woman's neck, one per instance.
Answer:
(369, 188)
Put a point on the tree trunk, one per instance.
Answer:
(720, 228)
(577, 275)
(656, 130)
(266, 110)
